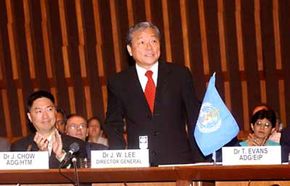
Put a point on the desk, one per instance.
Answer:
(181, 175)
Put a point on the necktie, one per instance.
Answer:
(150, 90)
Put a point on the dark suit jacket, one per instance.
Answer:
(285, 144)
(175, 105)
(94, 146)
(27, 144)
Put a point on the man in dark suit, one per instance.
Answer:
(162, 120)
(42, 114)
(285, 144)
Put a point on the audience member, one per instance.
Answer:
(42, 114)
(95, 132)
(276, 134)
(60, 120)
(4, 145)
(155, 100)
(76, 126)
(263, 123)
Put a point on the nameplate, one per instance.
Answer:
(251, 155)
(24, 160)
(120, 158)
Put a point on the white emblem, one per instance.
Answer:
(209, 119)
(143, 142)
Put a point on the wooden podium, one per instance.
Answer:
(176, 175)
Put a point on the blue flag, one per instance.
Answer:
(215, 125)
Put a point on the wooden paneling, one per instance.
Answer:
(71, 47)
(166, 30)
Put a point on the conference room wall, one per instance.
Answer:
(71, 47)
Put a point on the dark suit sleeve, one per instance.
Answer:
(66, 142)
(285, 144)
(16, 147)
(192, 106)
(24, 144)
(114, 124)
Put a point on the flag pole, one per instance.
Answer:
(214, 157)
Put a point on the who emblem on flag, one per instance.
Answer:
(215, 125)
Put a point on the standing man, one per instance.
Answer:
(153, 99)
(42, 114)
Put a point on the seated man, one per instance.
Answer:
(4, 145)
(76, 126)
(42, 114)
(60, 119)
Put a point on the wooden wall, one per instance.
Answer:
(71, 47)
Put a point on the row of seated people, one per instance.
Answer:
(74, 125)
(77, 126)
(55, 133)
(88, 131)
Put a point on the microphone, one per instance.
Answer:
(73, 148)
(77, 180)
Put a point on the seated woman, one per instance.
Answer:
(276, 135)
(263, 124)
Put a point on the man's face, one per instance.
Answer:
(94, 129)
(42, 115)
(145, 47)
(76, 126)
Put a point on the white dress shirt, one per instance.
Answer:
(141, 75)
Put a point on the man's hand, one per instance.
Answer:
(41, 141)
(57, 145)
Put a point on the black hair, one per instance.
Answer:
(265, 114)
(60, 110)
(95, 118)
(36, 95)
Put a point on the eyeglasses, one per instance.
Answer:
(261, 124)
(76, 126)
